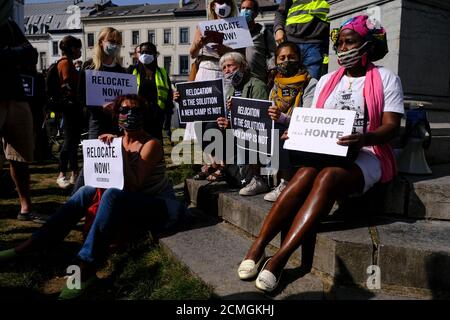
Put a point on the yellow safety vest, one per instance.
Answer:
(303, 11)
(162, 85)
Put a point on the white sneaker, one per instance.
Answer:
(275, 193)
(256, 186)
(63, 182)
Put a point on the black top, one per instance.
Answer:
(99, 121)
(15, 50)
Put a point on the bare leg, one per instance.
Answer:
(330, 184)
(283, 210)
(21, 177)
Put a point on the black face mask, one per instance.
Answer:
(131, 119)
(288, 68)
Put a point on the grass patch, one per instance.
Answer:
(143, 271)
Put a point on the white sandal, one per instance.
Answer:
(249, 269)
(266, 280)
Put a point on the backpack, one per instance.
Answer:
(56, 101)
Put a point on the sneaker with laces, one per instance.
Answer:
(275, 193)
(63, 182)
(256, 186)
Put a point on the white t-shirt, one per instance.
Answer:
(348, 95)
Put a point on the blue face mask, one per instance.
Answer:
(248, 14)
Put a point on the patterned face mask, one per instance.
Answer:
(351, 58)
(131, 119)
(288, 68)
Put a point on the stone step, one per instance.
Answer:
(410, 196)
(213, 252)
(413, 196)
(411, 254)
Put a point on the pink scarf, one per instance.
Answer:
(374, 97)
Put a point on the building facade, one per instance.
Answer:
(45, 24)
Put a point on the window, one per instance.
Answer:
(184, 65)
(90, 39)
(168, 64)
(43, 60)
(167, 36)
(135, 37)
(151, 36)
(184, 35)
(55, 48)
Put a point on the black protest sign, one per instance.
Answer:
(201, 101)
(28, 85)
(252, 125)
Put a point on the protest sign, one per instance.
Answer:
(28, 85)
(103, 87)
(235, 30)
(252, 125)
(103, 166)
(201, 101)
(317, 130)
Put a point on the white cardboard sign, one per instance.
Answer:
(235, 29)
(103, 87)
(103, 165)
(317, 130)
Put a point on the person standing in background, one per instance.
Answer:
(306, 24)
(16, 120)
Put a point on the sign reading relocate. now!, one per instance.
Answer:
(103, 87)
(317, 130)
(103, 165)
(201, 101)
(235, 30)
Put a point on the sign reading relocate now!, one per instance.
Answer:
(235, 30)
(103, 87)
(103, 165)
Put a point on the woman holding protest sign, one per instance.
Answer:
(292, 87)
(244, 85)
(106, 59)
(147, 200)
(206, 50)
(360, 85)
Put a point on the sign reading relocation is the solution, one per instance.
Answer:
(252, 125)
(103, 87)
(201, 101)
(103, 164)
(317, 130)
(235, 30)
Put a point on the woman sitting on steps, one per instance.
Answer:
(376, 95)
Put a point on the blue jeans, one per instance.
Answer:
(312, 56)
(116, 206)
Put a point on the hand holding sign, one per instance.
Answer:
(103, 164)
(318, 130)
(235, 31)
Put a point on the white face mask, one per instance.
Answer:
(351, 58)
(222, 10)
(146, 58)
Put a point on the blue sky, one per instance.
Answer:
(118, 2)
